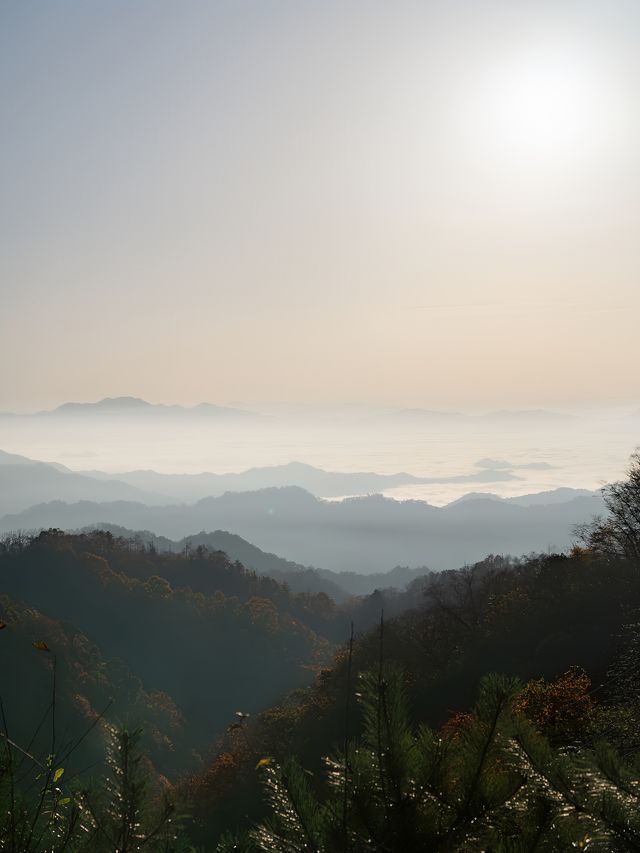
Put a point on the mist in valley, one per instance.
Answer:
(319, 427)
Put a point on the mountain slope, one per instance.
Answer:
(135, 407)
(303, 579)
(366, 534)
(236, 646)
(25, 483)
(534, 620)
(327, 484)
(87, 684)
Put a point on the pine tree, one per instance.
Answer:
(490, 783)
(125, 815)
(39, 813)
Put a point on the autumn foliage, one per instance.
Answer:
(558, 707)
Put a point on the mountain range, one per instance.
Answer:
(133, 407)
(322, 484)
(25, 482)
(298, 578)
(128, 407)
(366, 534)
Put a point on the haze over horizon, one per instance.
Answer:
(419, 205)
(131, 403)
(319, 417)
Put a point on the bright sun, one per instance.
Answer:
(540, 107)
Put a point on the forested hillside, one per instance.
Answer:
(428, 751)
(337, 585)
(534, 620)
(235, 641)
(201, 633)
(318, 332)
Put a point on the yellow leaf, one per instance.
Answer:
(41, 645)
(264, 762)
(58, 774)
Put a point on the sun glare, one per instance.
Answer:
(540, 107)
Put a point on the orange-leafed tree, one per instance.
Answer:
(561, 707)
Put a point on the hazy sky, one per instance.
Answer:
(394, 202)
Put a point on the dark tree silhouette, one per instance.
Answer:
(617, 534)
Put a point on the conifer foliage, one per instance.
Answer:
(43, 810)
(490, 783)
(125, 815)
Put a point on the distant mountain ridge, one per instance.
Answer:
(309, 579)
(321, 483)
(135, 406)
(554, 496)
(25, 482)
(365, 534)
(15, 459)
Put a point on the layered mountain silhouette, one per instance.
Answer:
(554, 496)
(25, 482)
(128, 406)
(367, 534)
(324, 484)
(308, 579)
(136, 407)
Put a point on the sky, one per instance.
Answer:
(408, 203)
